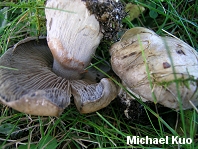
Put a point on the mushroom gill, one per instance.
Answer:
(28, 84)
(31, 86)
(92, 97)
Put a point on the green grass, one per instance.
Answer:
(108, 127)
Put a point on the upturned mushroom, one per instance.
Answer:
(163, 70)
(44, 78)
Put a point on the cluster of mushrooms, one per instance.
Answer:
(40, 76)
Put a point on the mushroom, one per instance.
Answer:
(141, 55)
(39, 77)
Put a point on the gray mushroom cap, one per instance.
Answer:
(33, 88)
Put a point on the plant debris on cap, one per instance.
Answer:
(150, 66)
(110, 14)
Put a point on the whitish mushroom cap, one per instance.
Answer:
(73, 34)
(128, 63)
(28, 84)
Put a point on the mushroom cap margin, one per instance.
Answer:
(92, 97)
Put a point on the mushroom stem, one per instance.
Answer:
(73, 34)
(66, 72)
